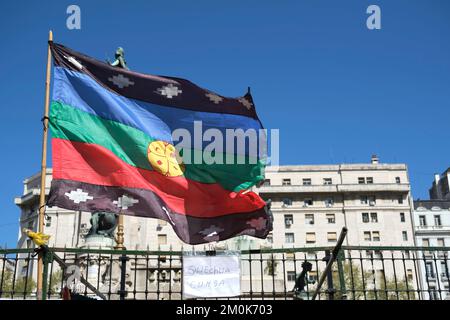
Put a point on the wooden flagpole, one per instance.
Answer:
(44, 164)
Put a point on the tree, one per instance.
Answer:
(394, 290)
(22, 286)
(355, 281)
(271, 267)
(364, 285)
(55, 282)
(25, 286)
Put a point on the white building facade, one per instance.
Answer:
(432, 229)
(311, 204)
(440, 189)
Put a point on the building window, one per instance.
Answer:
(407, 254)
(287, 202)
(310, 237)
(307, 202)
(329, 202)
(364, 180)
(311, 255)
(405, 235)
(327, 181)
(312, 277)
(364, 200)
(422, 221)
(365, 217)
(437, 221)
(331, 218)
(441, 242)
(266, 183)
(309, 219)
(286, 182)
(289, 238)
(425, 242)
(48, 221)
(409, 275)
(332, 236)
(372, 254)
(375, 236)
(306, 182)
(429, 269)
(402, 217)
(373, 217)
(400, 200)
(162, 223)
(370, 200)
(444, 269)
(162, 239)
(291, 276)
(434, 294)
(397, 179)
(367, 236)
(288, 220)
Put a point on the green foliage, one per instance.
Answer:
(271, 267)
(366, 285)
(22, 286)
(25, 286)
(54, 285)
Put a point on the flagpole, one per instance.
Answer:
(44, 164)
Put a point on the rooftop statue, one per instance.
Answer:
(120, 59)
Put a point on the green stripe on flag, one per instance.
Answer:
(130, 145)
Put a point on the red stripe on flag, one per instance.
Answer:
(91, 163)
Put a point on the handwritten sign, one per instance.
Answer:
(211, 276)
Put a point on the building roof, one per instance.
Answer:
(337, 167)
(428, 204)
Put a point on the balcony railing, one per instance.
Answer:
(433, 227)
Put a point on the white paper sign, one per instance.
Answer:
(211, 276)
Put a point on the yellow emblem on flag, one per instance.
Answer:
(165, 159)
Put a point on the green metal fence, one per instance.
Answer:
(360, 273)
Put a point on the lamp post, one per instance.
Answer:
(120, 233)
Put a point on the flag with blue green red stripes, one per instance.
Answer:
(113, 150)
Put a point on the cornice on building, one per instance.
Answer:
(337, 167)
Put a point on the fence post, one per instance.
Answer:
(47, 257)
(340, 258)
(329, 272)
(123, 273)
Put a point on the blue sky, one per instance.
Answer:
(337, 91)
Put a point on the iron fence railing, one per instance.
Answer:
(360, 273)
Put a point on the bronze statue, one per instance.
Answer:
(120, 59)
(300, 282)
(103, 223)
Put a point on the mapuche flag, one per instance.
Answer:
(113, 150)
